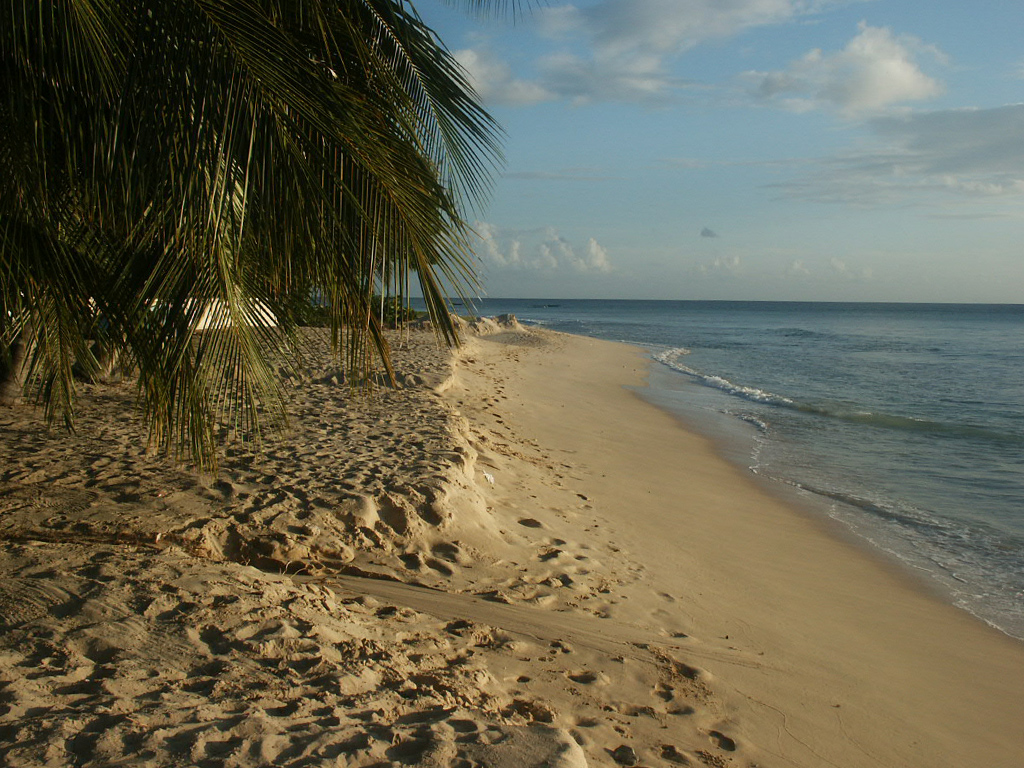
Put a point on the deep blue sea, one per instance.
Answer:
(905, 422)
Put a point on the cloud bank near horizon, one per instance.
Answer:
(540, 250)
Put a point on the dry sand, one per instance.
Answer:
(512, 560)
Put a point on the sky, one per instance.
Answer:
(819, 150)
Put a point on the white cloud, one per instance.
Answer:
(546, 258)
(874, 72)
(634, 77)
(926, 156)
(959, 141)
(494, 82)
(489, 249)
(543, 250)
(841, 268)
(667, 26)
(597, 257)
(620, 50)
(721, 265)
(797, 267)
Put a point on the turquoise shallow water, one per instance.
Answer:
(903, 421)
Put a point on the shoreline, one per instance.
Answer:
(737, 442)
(906, 617)
(819, 510)
(513, 560)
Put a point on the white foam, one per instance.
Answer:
(671, 359)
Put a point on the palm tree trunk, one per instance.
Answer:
(12, 375)
(108, 360)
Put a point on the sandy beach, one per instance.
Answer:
(509, 560)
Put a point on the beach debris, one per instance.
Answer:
(624, 755)
(489, 477)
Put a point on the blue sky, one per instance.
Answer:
(752, 149)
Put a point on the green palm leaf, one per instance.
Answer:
(169, 156)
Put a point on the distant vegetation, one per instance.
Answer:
(390, 311)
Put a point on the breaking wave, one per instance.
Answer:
(673, 359)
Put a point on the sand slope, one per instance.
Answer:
(814, 651)
(508, 561)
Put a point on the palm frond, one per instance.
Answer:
(169, 156)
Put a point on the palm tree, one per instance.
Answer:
(162, 157)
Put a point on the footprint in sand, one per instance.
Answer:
(451, 552)
(586, 677)
(665, 692)
(673, 755)
(549, 554)
(683, 710)
(722, 741)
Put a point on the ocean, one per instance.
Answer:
(904, 422)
